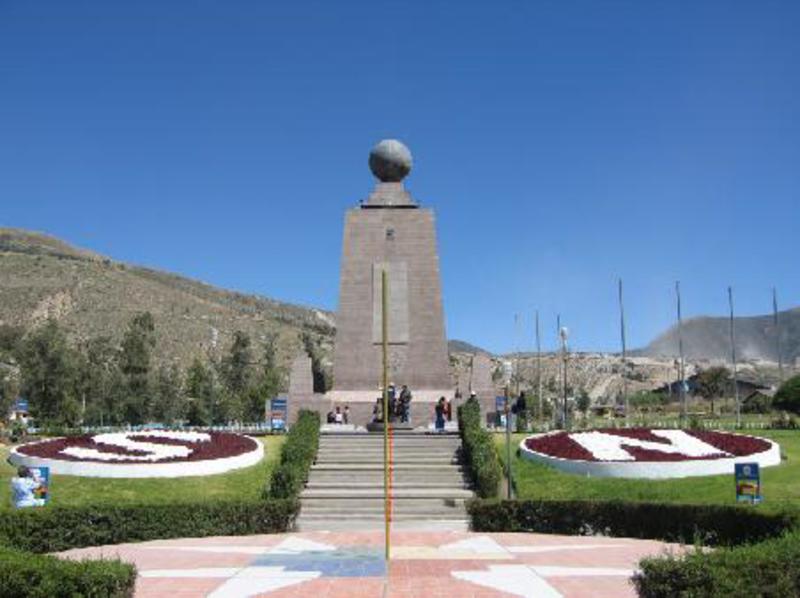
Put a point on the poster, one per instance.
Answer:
(500, 410)
(748, 482)
(279, 413)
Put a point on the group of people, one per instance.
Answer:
(338, 416)
(399, 405)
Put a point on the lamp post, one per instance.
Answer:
(563, 333)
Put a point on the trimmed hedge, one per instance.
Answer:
(297, 455)
(769, 570)
(711, 525)
(36, 576)
(59, 528)
(479, 451)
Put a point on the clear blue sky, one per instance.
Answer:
(562, 144)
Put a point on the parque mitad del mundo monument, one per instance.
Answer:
(389, 232)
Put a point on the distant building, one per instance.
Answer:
(19, 411)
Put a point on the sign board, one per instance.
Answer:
(279, 413)
(748, 482)
(21, 405)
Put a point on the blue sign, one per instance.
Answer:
(279, 413)
(21, 405)
(500, 411)
(748, 482)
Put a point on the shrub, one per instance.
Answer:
(479, 451)
(60, 528)
(784, 421)
(768, 569)
(788, 395)
(37, 576)
(709, 524)
(297, 455)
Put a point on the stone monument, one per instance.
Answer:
(390, 231)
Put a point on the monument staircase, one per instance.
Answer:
(345, 487)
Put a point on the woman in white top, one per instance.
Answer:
(22, 489)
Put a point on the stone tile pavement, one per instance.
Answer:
(425, 564)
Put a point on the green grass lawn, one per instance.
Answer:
(242, 484)
(780, 485)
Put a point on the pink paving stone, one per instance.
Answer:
(593, 587)
(408, 577)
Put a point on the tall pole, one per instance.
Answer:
(733, 361)
(624, 353)
(556, 408)
(777, 333)
(508, 446)
(385, 351)
(539, 367)
(563, 334)
(681, 369)
(517, 348)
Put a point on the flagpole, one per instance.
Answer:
(539, 367)
(777, 333)
(624, 353)
(385, 351)
(733, 361)
(681, 370)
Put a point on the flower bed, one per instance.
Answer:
(648, 453)
(156, 453)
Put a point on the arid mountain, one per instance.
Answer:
(90, 295)
(709, 338)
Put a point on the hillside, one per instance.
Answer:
(90, 295)
(709, 338)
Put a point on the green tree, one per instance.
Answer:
(237, 364)
(168, 403)
(583, 402)
(138, 343)
(312, 346)
(50, 376)
(788, 395)
(100, 381)
(269, 383)
(712, 383)
(200, 394)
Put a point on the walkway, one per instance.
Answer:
(427, 564)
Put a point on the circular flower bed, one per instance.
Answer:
(648, 452)
(153, 453)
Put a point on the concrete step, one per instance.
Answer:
(414, 467)
(378, 484)
(376, 505)
(374, 492)
(346, 478)
(371, 459)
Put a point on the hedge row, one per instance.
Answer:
(768, 569)
(479, 452)
(59, 528)
(711, 525)
(297, 455)
(24, 575)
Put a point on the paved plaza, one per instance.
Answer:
(425, 564)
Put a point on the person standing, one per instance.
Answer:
(440, 409)
(347, 414)
(405, 404)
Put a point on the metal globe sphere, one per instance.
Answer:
(390, 161)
